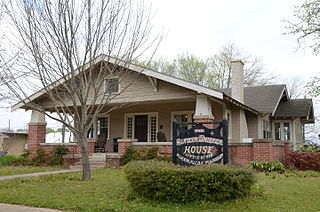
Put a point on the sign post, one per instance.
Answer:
(199, 144)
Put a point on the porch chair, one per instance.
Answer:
(100, 145)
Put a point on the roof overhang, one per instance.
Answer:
(139, 69)
(239, 104)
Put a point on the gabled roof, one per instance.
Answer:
(264, 99)
(198, 88)
(298, 108)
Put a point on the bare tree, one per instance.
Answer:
(295, 88)
(65, 51)
(254, 72)
(215, 71)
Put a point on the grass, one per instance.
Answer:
(108, 191)
(14, 170)
(6, 159)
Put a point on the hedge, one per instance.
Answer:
(304, 160)
(165, 181)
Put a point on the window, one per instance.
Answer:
(282, 130)
(129, 127)
(182, 116)
(266, 128)
(286, 131)
(153, 128)
(103, 126)
(112, 85)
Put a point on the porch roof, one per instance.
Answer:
(148, 72)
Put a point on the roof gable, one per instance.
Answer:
(299, 108)
(264, 99)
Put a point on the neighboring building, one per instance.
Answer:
(56, 137)
(13, 143)
(253, 113)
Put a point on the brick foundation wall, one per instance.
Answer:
(73, 148)
(240, 154)
(259, 150)
(262, 150)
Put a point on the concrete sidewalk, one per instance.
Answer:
(37, 174)
(20, 208)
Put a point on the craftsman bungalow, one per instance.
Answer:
(263, 120)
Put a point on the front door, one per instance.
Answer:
(141, 128)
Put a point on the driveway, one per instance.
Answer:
(19, 208)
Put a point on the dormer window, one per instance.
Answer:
(112, 85)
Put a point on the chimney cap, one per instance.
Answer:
(237, 61)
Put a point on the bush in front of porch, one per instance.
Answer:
(169, 182)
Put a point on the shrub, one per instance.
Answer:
(304, 160)
(6, 159)
(267, 166)
(310, 147)
(166, 181)
(25, 154)
(60, 151)
(41, 157)
(133, 153)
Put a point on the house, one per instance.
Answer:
(13, 143)
(260, 118)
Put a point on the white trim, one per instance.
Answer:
(147, 72)
(149, 114)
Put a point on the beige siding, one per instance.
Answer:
(17, 143)
(217, 111)
(253, 125)
(298, 131)
(138, 88)
(239, 124)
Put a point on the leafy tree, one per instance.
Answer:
(306, 27)
(307, 24)
(49, 130)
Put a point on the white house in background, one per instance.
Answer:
(56, 137)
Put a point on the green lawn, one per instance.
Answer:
(13, 170)
(108, 191)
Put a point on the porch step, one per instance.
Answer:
(97, 160)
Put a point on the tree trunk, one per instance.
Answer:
(86, 175)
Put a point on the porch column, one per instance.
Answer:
(37, 132)
(203, 112)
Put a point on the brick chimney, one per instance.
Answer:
(237, 80)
